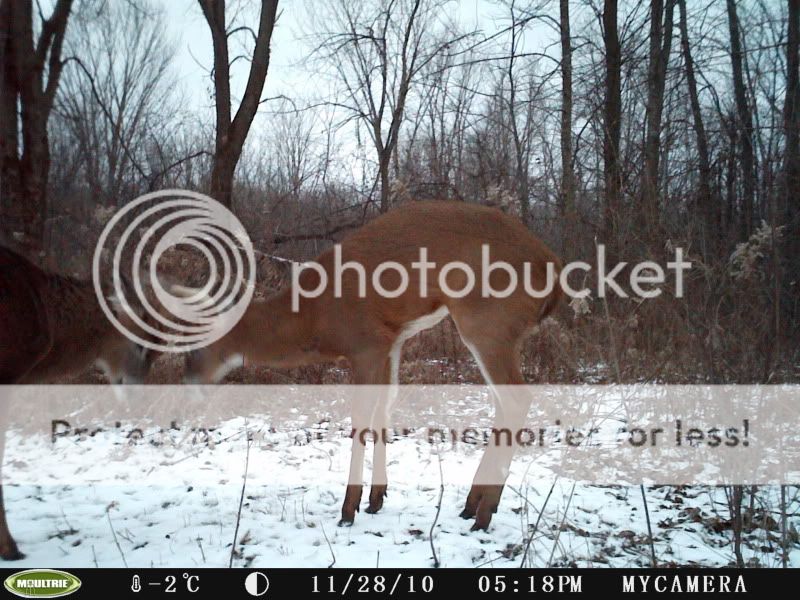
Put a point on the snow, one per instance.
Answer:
(172, 498)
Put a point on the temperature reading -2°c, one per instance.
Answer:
(191, 583)
(169, 585)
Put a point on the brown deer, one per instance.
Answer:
(369, 329)
(52, 327)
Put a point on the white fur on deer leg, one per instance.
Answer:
(103, 365)
(409, 330)
(478, 359)
(232, 362)
(412, 328)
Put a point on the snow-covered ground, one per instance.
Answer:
(172, 499)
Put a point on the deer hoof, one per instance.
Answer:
(345, 522)
(476, 526)
(11, 553)
(376, 496)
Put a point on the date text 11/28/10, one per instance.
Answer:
(402, 584)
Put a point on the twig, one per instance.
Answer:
(127, 536)
(325, 535)
(784, 530)
(561, 526)
(536, 525)
(197, 453)
(438, 510)
(735, 502)
(199, 541)
(154, 178)
(64, 516)
(279, 238)
(114, 533)
(241, 497)
(649, 528)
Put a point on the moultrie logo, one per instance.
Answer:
(183, 319)
(42, 583)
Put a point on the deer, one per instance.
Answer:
(369, 329)
(52, 327)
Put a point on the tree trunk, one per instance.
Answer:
(383, 166)
(745, 123)
(791, 166)
(231, 132)
(25, 204)
(612, 121)
(567, 197)
(791, 114)
(731, 172)
(26, 101)
(222, 171)
(523, 192)
(711, 213)
(9, 137)
(660, 47)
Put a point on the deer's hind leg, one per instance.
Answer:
(25, 338)
(8, 547)
(494, 340)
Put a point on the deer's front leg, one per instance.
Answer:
(8, 547)
(352, 497)
(377, 491)
(369, 368)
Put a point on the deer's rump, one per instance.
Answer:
(24, 337)
(448, 233)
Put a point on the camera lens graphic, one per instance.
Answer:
(180, 319)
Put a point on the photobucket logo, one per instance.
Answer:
(645, 278)
(156, 222)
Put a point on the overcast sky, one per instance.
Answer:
(288, 73)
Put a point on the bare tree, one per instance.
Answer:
(378, 53)
(294, 153)
(26, 99)
(744, 121)
(704, 199)
(660, 47)
(116, 96)
(791, 113)
(520, 113)
(791, 116)
(612, 121)
(567, 203)
(436, 141)
(231, 131)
